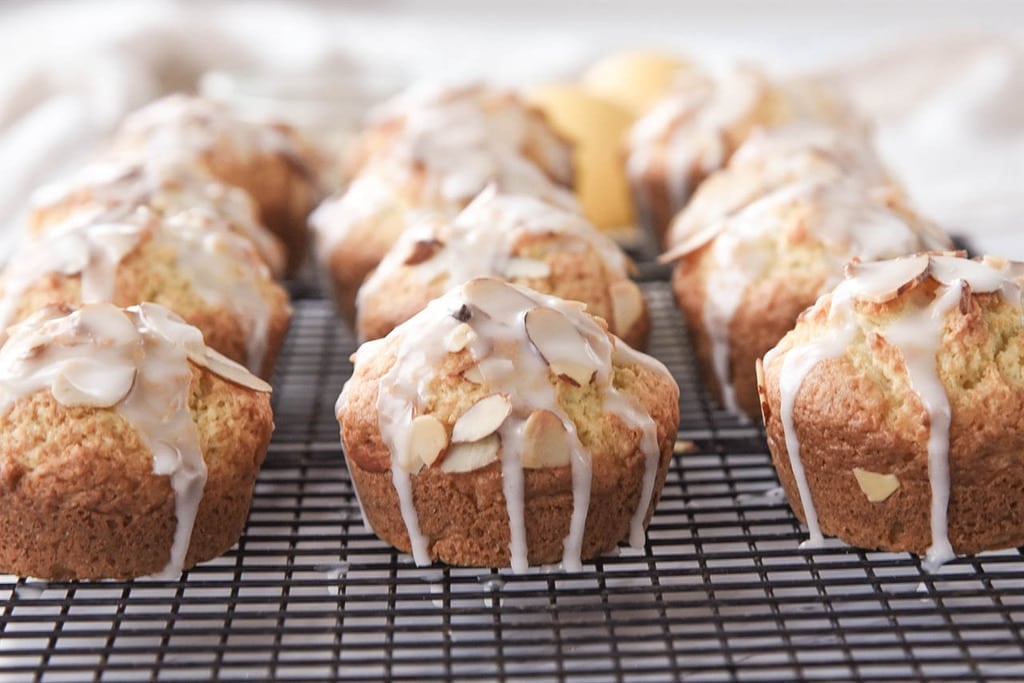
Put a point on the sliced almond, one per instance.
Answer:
(466, 457)
(983, 278)
(882, 281)
(561, 345)
(232, 371)
(627, 305)
(496, 299)
(526, 268)
(473, 375)
(693, 243)
(877, 487)
(459, 338)
(482, 419)
(107, 321)
(85, 382)
(422, 250)
(545, 441)
(427, 439)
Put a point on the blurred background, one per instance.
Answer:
(944, 80)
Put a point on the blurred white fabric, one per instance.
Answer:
(950, 106)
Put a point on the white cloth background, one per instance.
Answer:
(944, 79)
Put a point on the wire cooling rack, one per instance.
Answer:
(721, 593)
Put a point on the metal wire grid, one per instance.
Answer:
(721, 594)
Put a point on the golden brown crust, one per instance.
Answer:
(464, 515)
(79, 500)
(768, 310)
(860, 411)
(150, 274)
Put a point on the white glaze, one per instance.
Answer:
(184, 127)
(842, 217)
(221, 266)
(688, 131)
(918, 334)
(510, 364)
(133, 361)
(480, 242)
(166, 187)
(433, 119)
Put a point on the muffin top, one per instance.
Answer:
(166, 187)
(695, 129)
(219, 266)
(776, 156)
(429, 123)
(492, 237)
(935, 345)
(182, 126)
(388, 196)
(138, 362)
(492, 372)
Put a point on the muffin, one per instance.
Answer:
(190, 262)
(500, 427)
(694, 130)
(743, 281)
(353, 231)
(518, 238)
(166, 187)
(429, 119)
(772, 157)
(893, 408)
(127, 446)
(270, 161)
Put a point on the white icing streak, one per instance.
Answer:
(148, 344)
(221, 266)
(918, 334)
(480, 242)
(510, 364)
(839, 216)
(166, 187)
(434, 120)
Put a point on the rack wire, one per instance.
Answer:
(721, 592)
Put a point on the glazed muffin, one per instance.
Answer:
(270, 161)
(517, 238)
(773, 157)
(428, 120)
(190, 262)
(354, 230)
(127, 446)
(893, 408)
(742, 282)
(503, 427)
(166, 187)
(694, 130)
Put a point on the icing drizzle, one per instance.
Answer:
(221, 266)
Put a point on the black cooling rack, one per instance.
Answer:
(722, 592)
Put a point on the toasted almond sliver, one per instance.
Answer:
(545, 441)
(627, 305)
(482, 419)
(427, 439)
(560, 344)
(877, 487)
(466, 457)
